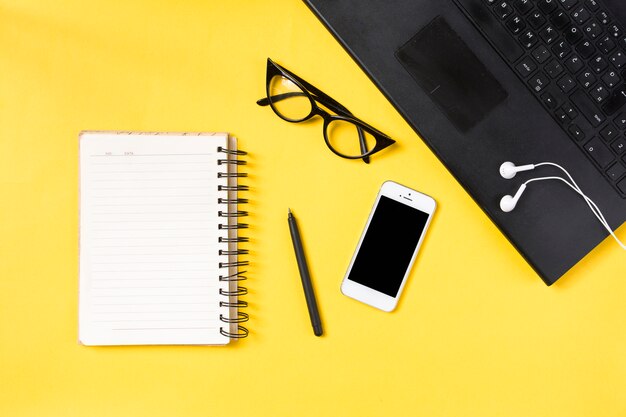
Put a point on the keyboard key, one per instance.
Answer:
(599, 93)
(599, 152)
(581, 15)
(541, 54)
(620, 121)
(553, 68)
(528, 39)
(569, 110)
(568, 4)
(526, 67)
(604, 18)
(615, 31)
(561, 116)
(587, 108)
(606, 44)
(548, 34)
(515, 25)
(560, 19)
(598, 64)
(523, 6)
(561, 49)
(503, 9)
(618, 59)
(611, 79)
(576, 133)
(619, 145)
(616, 171)
(616, 101)
(566, 83)
(592, 5)
(573, 34)
(592, 29)
(536, 19)
(574, 64)
(549, 100)
(586, 78)
(622, 185)
(609, 133)
(546, 6)
(585, 49)
(538, 82)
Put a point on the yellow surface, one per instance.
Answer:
(476, 334)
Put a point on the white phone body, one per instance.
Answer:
(388, 246)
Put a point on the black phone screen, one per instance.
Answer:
(388, 246)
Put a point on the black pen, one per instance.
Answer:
(309, 294)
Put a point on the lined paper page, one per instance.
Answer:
(149, 239)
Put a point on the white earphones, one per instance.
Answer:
(508, 203)
(508, 170)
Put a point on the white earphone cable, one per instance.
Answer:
(588, 200)
(594, 208)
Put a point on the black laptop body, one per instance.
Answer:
(437, 65)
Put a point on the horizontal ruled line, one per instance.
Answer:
(153, 171)
(151, 296)
(155, 279)
(152, 204)
(207, 252)
(150, 212)
(148, 246)
(148, 221)
(155, 154)
(154, 230)
(133, 163)
(149, 270)
(167, 328)
(145, 188)
(150, 320)
(155, 179)
(157, 195)
(151, 287)
(146, 304)
(147, 237)
(150, 262)
(154, 311)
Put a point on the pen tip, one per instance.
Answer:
(289, 210)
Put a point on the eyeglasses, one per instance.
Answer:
(295, 100)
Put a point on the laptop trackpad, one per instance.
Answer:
(450, 74)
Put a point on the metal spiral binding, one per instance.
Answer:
(231, 226)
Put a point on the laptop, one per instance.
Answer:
(527, 81)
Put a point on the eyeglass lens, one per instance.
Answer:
(343, 137)
(293, 104)
(288, 99)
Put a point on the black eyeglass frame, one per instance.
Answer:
(316, 95)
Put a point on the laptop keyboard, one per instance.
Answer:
(571, 54)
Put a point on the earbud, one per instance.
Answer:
(508, 169)
(508, 203)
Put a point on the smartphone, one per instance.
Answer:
(388, 246)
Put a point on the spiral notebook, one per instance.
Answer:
(159, 239)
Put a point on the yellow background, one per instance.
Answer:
(477, 333)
